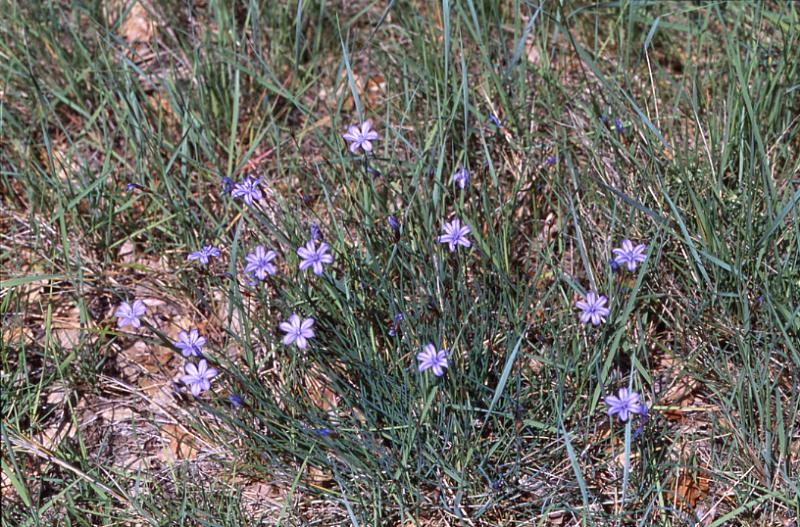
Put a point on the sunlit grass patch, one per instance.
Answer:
(404, 264)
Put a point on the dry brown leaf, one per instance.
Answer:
(262, 491)
(685, 490)
(159, 392)
(66, 327)
(318, 391)
(115, 414)
(16, 335)
(371, 92)
(141, 359)
(7, 491)
(317, 476)
(63, 161)
(375, 90)
(137, 28)
(127, 252)
(681, 391)
(182, 445)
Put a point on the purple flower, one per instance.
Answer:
(623, 404)
(191, 343)
(593, 308)
(227, 185)
(203, 254)
(314, 257)
(643, 419)
(235, 400)
(394, 224)
(398, 318)
(618, 125)
(198, 378)
(361, 138)
(258, 263)
(550, 161)
(429, 358)
(630, 255)
(314, 232)
(247, 190)
(461, 178)
(455, 234)
(297, 331)
(495, 120)
(128, 314)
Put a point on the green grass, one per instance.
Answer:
(705, 173)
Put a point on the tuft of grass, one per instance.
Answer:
(117, 149)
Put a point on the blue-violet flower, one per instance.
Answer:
(461, 178)
(297, 331)
(314, 257)
(129, 315)
(455, 234)
(198, 378)
(258, 263)
(361, 137)
(393, 224)
(623, 404)
(430, 358)
(203, 254)
(593, 308)
(191, 344)
(247, 190)
(630, 255)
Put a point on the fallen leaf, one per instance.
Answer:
(317, 476)
(318, 391)
(182, 445)
(375, 90)
(686, 489)
(137, 28)
(370, 92)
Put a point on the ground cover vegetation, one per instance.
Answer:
(403, 263)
